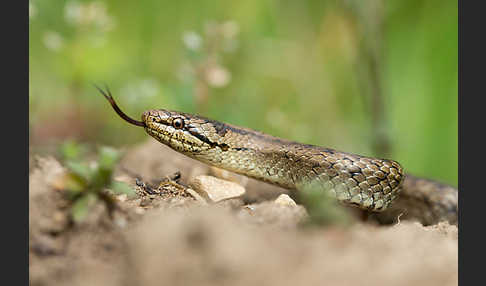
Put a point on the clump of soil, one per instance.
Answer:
(167, 237)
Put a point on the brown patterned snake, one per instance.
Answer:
(368, 183)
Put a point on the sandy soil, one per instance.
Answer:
(172, 239)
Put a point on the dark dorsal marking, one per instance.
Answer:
(220, 127)
(224, 147)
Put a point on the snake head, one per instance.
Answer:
(183, 132)
(186, 133)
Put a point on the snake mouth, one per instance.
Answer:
(107, 95)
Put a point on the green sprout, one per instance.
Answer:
(86, 183)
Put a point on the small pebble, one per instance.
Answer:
(285, 200)
(216, 189)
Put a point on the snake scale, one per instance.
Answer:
(368, 183)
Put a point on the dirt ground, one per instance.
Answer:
(175, 240)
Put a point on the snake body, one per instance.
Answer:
(368, 183)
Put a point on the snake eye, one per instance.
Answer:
(178, 123)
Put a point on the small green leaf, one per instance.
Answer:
(108, 157)
(80, 169)
(122, 188)
(74, 184)
(80, 208)
(71, 150)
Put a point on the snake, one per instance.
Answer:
(368, 183)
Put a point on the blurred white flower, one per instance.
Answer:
(216, 39)
(217, 76)
(53, 41)
(192, 40)
(92, 13)
(72, 12)
(140, 88)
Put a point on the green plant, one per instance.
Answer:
(86, 183)
(322, 208)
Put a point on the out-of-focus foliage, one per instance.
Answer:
(369, 77)
(322, 207)
(85, 182)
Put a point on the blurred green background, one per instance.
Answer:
(377, 78)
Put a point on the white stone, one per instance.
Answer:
(216, 189)
(285, 200)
